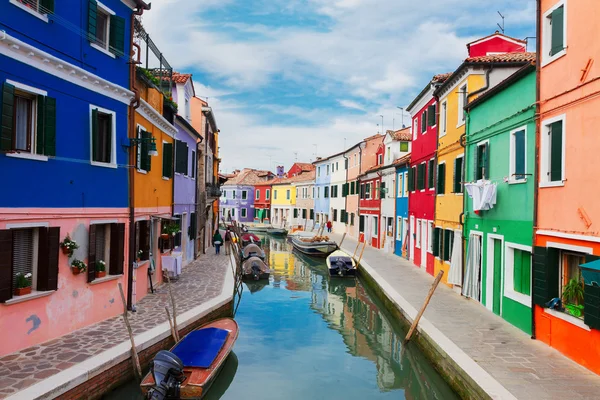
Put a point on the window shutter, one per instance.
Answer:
(411, 178)
(312, 214)
(304, 213)
(558, 24)
(545, 267)
(91, 267)
(117, 35)
(167, 160)
(39, 137)
(361, 223)
(476, 169)
(436, 242)
(47, 6)
(383, 190)
(6, 118)
(146, 158)
(92, 16)
(526, 273)
(556, 152)
(94, 134)
(193, 164)
(295, 213)
(186, 157)
(431, 174)
(441, 178)
(117, 249)
(424, 121)
(48, 249)
(447, 234)
(144, 239)
(431, 115)
(49, 132)
(6, 275)
(454, 176)
(486, 162)
(591, 298)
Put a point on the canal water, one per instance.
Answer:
(304, 335)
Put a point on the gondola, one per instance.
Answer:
(254, 269)
(339, 263)
(314, 247)
(191, 366)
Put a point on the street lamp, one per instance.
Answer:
(402, 113)
(151, 142)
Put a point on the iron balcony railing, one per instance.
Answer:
(213, 190)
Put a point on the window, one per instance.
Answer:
(327, 169)
(106, 31)
(346, 163)
(268, 194)
(244, 194)
(421, 171)
(518, 160)
(142, 240)
(437, 242)
(39, 6)
(399, 228)
(233, 212)
(352, 219)
(415, 127)
(375, 226)
(424, 122)
(377, 191)
(368, 190)
(225, 194)
(431, 115)
(441, 178)
(418, 238)
(313, 192)
(379, 159)
(482, 162)
(319, 171)
(462, 102)
(552, 152)
(443, 118)
(448, 241)
(337, 166)
(275, 195)
(312, 214)
(193, 164)
(257, 194)
(430, 180)
(457, 179)
(412, 172)
(403, 146)
(304, 213)
(326, 192)
(390, 227)
(430, 236)
(233, 193)
(167, 154)
(107, 243)
(181, 157)
(287, 194)
(400, 186)
(389, 153)
(554, 33)
(335, 215)
(28, 120)
(244, 213)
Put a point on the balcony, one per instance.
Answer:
(213, 191)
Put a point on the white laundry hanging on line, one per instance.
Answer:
(455, 273)
(483, 194)
(471, 284)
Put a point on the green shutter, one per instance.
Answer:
(361, 223)
(477, 169)
(92, 20)
(556, 151)
(519, 155)
(39, 134)
(546, 273)
(117, 35)
(411, 179)
(441, 183)
(50, 127)
(431, 174)
(47, 6)
(435, 242)
(403, 146)
(145, 157)
(295, 213)
(558, 24)
(312, 214)
(431, 115)
(526, 273)
(168, 160)
(6, 117)
(591, 299)
(424, 121)
(456, 179)
(94, 134)
(382, 190)
(447, 239)
(517, 271)
(486, 162)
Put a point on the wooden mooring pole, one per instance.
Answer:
(342, 241)
(137, 369)
(413, 327)
(174, 308)
(361, 253)
(171, 324)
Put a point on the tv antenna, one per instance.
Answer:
(296, 155)
(501, 27)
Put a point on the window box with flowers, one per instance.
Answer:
(78, 266)
(68, 245)
(23, 284)
(100, 269)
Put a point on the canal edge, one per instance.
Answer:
(468, 379)
(116, 362)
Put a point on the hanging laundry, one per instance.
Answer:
(483, 194)
(455, 274)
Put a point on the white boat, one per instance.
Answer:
(341, 264)
(314, 248)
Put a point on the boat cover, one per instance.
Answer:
(200, 348)
(334, 259)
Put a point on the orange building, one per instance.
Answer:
(567, 234)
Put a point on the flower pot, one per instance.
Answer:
(65, 251)
(22, 291)
(76, 271)
(164, 236)
(100, 274)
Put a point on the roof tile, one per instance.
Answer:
(503, 58)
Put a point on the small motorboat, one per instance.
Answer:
(249, 238)
(259, 228)
(341, 264)
(253, 250)
(317, 246)
(277, 231)
(254, 269)
(191, 366)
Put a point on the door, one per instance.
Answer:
(424, 243)
(497, 276)
(411, 242)
(184, 236)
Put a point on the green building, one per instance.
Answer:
(499, 197)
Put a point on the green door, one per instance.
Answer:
(497, 275)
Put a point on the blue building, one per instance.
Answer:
(401, 205)
(64, 78)
(322, 188)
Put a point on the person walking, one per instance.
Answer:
(227, 240)
(217, 241)
(329, 226)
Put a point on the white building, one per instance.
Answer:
(337, 191)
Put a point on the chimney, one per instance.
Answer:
(280, 171)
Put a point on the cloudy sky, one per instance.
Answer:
(290, 79)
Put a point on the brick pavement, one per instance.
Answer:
(201, 280)
(529, 369)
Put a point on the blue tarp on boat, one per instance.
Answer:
(200, 348)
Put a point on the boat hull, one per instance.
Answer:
(317, 249)
(277, 232)
(349, 268)
(255, 269)
(199, 380)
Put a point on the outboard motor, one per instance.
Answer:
(167, 370)
(342, 267)
(256, 271)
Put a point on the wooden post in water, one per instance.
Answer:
(356, 249)
(174, 308)
(137, 369)
(361, 253)
(171, 324)
(436, 282)
(342, 241)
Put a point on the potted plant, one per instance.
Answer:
(68, 246)
(100, 269)
(78, 266)
(573, 296)
(169, 229)
(23, 284)
(139, 255)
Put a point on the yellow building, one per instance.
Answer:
(475, 76)
(283, 202)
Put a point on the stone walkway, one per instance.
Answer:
(201, 280)
(529, 369)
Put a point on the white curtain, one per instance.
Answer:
(22, 122)
(471, 283)
(455, 274)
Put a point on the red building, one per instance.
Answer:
(369, 206)
(262, 201)
(299, 168)
(421, 203)
(495, 44)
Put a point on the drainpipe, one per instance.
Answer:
(133, 105)
(537, 151)
(346, 164)
(485, 87)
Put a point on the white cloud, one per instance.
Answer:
(351, 104)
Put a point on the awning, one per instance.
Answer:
(168, 217)
(591, 273)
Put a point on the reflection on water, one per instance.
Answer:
(304, 335)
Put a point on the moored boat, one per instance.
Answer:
(339, 263)
(277, 231)
(315, 246)
(249, 238)
(254, 269)
(259, 228)
(253, 250)
(191, 366)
